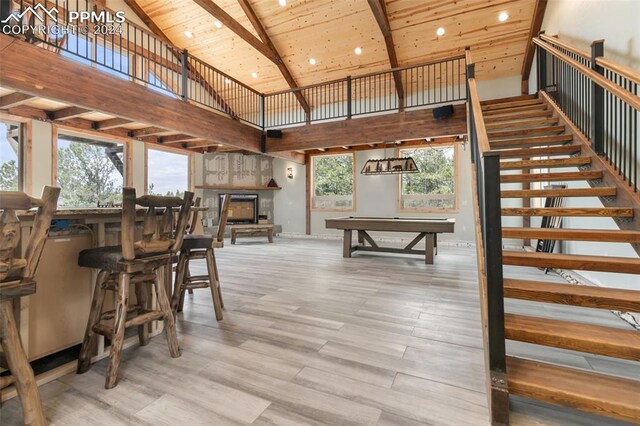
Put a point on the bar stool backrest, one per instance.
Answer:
(167, 237)
(11, 266)
(194, 216)
(224, 213)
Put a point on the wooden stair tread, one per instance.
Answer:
(575, 336)
(623, 265)
(535, 140)
(515, 109)
(524, 132)
(541, 151)
(603, 191)
(509, 99)
(564, 211)
(608, 235)
(544, 164)
(572, 294)
(512, 104)
(518, 117)
(548, 177)
(585, 390)
(522, 123)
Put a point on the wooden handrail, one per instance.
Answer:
(606, 84)
(625, 72)
(481, 130)
(560, 43)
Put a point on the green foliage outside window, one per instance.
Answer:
(9, 176)
(333, 175)
(87, 176)
(436, 179)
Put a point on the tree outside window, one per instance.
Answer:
(332, 182)
(434, 187)
(90, 172)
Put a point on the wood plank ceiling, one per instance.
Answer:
(329, 31)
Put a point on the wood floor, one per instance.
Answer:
(312, 338)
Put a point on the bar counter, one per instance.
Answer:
(55, 317)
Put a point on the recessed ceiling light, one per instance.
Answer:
(254, 74)
(282, 3)
(358, 50)
(503, 16)
(189, 34)
(440, 32)
(312, 61)
(218, 24)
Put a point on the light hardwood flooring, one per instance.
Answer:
(311, 338)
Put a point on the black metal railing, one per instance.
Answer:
(397, 89)
(486, 165)
(126, 50)
(600, 97)
(129, 51)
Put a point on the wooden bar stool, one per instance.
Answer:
(134, 263)
(201, 247)
(17, 280)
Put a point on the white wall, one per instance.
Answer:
(290, 201)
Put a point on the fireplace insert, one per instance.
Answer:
(243, 208)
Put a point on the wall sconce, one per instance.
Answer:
(290, 172)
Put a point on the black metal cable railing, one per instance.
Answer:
(600, 97)
(126, 50)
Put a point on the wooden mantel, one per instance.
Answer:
(239, 187)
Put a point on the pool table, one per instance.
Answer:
(426, 228)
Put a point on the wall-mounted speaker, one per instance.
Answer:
(276, 134)
(443, 112)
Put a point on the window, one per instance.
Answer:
(434, 187)
(90, 172)
(333, 182)
(10, 144)
(167, 172)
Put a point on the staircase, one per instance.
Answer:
(534, 139)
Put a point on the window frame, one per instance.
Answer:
(24, 151)
(191, 163)
(57, 129)
(312, 183)
(456, 178)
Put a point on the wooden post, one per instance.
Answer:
(429, 246)
(346, 243)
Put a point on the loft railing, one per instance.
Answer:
(487, 210)
(396, 89)
(599, 96)
(129, 51)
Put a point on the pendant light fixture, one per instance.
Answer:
(388, 166)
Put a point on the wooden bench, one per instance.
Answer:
(251, 230)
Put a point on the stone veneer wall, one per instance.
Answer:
(239, 170)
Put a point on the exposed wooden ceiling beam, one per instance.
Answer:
(255, 21)
(226, 20)
(379, 10)
(175, 139)
(195, 74)
(111, 123)
(536, 24)
(415, 143)
(148, 131)
(14, 100)
(68, 113)
(111, 95)
(412, 124)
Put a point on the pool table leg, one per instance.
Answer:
(429, 246)
(346, 243)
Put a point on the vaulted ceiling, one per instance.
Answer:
(329, 31)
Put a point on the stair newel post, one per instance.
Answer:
(597, 100)
(185, 75)
(491, 212)
(541, 59)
